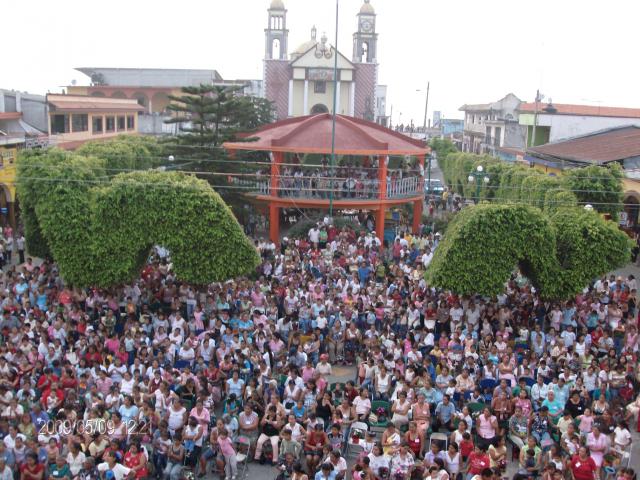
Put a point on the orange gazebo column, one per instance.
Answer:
(382, 195)
(418, 204)
(274, 210)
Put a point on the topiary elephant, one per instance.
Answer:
(560, 253)
(100, 229)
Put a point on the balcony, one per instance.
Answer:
(324, 188)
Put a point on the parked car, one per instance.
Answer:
(433, 187)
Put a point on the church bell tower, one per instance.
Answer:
(365, 39)
(276, 33)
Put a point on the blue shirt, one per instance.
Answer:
(555, 407)
(39, 420)
(321, 476)
(445, 412)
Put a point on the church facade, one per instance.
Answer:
(302, 82)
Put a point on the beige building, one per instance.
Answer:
(75, 119)
(311, 88)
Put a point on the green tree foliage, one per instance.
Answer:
(100, 229)
(442, 147)
(560, 253)
(209, 116)
(599, 186)
(124, 153)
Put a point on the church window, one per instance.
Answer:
(320, 87)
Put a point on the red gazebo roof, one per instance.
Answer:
(312, 134)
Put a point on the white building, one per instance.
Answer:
(557, 121)
(491, 126)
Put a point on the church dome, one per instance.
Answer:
(303, 48)
(276, 5)
(367, 8)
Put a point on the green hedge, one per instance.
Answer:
(600, 186)
(125, 152)
(100, 230)
(560, 253)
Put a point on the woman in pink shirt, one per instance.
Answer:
(229, 454)
(487, 427)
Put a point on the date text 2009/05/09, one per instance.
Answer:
(91, 427)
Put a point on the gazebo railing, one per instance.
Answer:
(339, 188)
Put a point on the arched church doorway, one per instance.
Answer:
(319, 108)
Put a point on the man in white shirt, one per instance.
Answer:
(539, 392)
(314, 235)
(427, 256)
(473, 317)
(456, 312)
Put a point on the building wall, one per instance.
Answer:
(8, 172)
(567, 126)
(33, 107)
(155, 125)
(515, 135)
(154, 77)
(450, 125)
(366, 80)
(85, 136)
(547, 169)
(315, 98)
(276, 85)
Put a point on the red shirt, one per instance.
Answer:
(583, 469)
(131, 461)
(466, 447)
(478, 462)
(31, 472)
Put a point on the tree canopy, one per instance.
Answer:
(560, 252)
(208, 116)
(600, 186)
(124, 153)
(100, 228)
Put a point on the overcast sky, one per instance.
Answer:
(574, 51)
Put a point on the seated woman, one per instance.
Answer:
(390, 440)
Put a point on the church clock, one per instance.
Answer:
(366, 25)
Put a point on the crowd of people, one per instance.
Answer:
(348, 180)
(160, 379)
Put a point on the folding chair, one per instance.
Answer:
(243, 453)
(356, 427)
(440, 438)
(475, 408)
(528, 381)
(487, 385)
(180, 364)
(380, 425)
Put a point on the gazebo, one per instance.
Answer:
(380, 191)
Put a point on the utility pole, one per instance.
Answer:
(333, 119)
(535, 119)
(426, 106)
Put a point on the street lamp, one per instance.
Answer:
(479, 177)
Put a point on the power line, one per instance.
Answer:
(268, 177)
(250, 187)
(246, 162)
